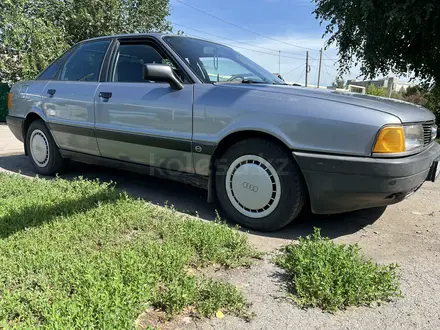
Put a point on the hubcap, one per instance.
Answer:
(39, 147)
(253, 186)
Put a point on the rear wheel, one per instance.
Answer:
(259, 185)
(42, 150)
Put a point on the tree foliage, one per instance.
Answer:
(383, 36)
(35, 32)
(376, 91)
(339, 82)
(425, 96)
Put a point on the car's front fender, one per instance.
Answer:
(300, 122)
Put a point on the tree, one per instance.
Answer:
(425, 96)
(433, 102)
(339, 83)
(383, 36)
(35, 32)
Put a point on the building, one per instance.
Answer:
(349, 88)
(390, 84)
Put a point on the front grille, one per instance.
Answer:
(427, 132)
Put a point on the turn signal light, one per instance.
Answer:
(391, 139)
(9, 101)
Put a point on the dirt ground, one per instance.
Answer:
(407, 233)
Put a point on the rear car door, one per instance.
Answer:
(140, 121)
(69, 99)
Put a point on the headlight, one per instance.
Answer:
(397, 138)
(413, 137)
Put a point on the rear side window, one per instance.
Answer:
(85, 63)
(52, 70)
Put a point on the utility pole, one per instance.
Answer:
(279, 62)
(320, 66)
(307, 66)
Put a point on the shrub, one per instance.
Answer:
(376, 91)
(323, 274)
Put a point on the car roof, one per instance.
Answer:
(152, 34)
(157, 35)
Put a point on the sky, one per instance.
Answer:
(279, 25)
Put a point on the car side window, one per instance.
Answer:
(131, 59)
(85, 63)
(51, 71)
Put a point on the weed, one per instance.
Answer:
(323, 274)
(79, 254)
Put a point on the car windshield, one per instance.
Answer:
(215, 63)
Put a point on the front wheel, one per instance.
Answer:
(259, 185)
(42, 150)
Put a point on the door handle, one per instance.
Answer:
(105, 95)
(51, 92)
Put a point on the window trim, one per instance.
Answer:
(145, 40)
(107, 63)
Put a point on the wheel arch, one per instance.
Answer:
(230, 140)
(30, 117)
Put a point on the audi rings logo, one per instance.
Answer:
(250, 187)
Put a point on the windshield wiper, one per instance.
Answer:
(250, 81)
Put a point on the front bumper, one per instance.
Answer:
(16, 124)
(340, 184)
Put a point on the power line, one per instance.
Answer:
(285, 74)
(330, 59)
(241, 42)
(243, 28)
(296, 81)
(327, 70)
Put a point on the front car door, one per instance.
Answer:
(140, 121)
(68, 100)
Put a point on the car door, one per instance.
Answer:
(140, 121)
(68, 100)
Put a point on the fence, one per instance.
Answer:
(4, 90)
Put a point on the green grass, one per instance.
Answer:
(81, 255)
(438, 140)
(323, 274)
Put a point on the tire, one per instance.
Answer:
(259, 185)
(42, 150)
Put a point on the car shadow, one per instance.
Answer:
(192, 201)
(37, 215)
(332, 226)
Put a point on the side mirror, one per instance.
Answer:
(162, 73)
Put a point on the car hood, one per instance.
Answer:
(406, 112)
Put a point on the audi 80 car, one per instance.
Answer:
(199, 112)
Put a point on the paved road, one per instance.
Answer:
(9, 145)
(407, 233)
